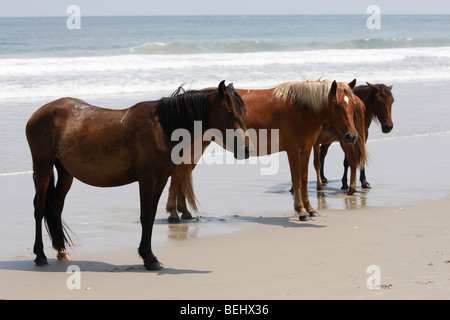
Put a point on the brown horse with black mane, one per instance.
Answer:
(378, 100)
(297, 110)
(109, 148)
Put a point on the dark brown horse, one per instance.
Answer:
(297, 110)
(378, 100)
(109, 148)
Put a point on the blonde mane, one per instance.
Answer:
(311, 94)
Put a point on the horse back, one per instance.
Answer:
(298, 126)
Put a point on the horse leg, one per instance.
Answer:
(352, 189)
(42, 177)
(62, 188)
(171, 202)
(180, 183)
(146, 193)
(47, 203)
(181, 205)
(176, 201)
(317, 166)
(186, 192)
(175, 182)
(304, 162)
(294, 165)
(364, 183)
(344, 177)
(351, 160)
(323, 153)
(150, 191)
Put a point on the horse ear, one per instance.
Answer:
(333, 90)
(390, 87)
(372, 86)
(231, 86)
(352, 84)
(222, 88)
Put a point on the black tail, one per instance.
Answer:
(52, 216)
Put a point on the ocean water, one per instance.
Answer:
(118, 61)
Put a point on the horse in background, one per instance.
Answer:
(297, 110)
(108, 148)
(378, 100)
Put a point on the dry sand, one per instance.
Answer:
(247, 243)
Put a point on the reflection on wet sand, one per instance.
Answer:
(337, 199)
(198, 227)
(332, 197)
(183, 230)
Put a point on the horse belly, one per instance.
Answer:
(101, 164)
(265, 142)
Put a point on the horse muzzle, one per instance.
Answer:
(386, 128)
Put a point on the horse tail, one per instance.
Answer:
(187, 189)
(56, 228)
(361, 151)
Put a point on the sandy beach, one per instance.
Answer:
(246, 242)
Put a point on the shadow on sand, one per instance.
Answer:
(88, 266)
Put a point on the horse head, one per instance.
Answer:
(383, 105)
(341, 107)
(227, 115)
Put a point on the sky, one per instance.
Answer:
(17, 8)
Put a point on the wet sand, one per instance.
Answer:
(246, 242)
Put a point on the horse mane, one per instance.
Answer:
(310, 94)
(181, 109)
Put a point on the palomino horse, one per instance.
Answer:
(378, 100)
(297, 110)
(109, 148)
(355, 154)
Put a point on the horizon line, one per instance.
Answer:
(225, 15)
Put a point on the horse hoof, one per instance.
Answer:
(186, 216)
(173, 220)
(344, 187)
(351, 192)
(41, 261)
(153, 265)
(64, 256)
(366, 185)
(313, 213)
(304, 217)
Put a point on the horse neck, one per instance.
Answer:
(316, 119)
(367, 95)
(323, 116)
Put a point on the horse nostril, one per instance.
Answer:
(386, 128)
(350, 138)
